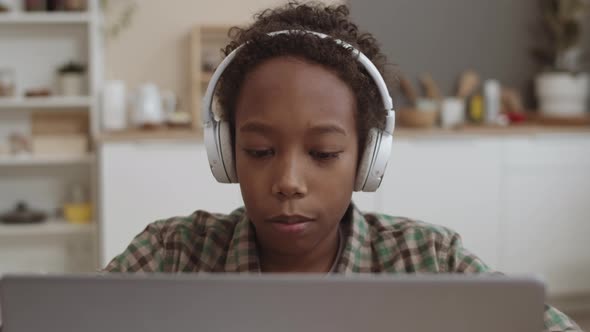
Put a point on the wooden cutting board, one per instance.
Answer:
(552, 120)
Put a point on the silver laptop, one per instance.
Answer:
(271, 303)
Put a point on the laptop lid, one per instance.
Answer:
(265, 303)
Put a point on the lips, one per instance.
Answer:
(290, 219)
(290, 223)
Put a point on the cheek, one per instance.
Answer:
(336, 184)
(252, 184)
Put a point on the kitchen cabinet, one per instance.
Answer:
(454, 182)
(546, 203)
(144, 181)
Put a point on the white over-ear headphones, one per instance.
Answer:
(376, 154)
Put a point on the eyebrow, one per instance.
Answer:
(256, 127)
(261, 128)
(327, 129)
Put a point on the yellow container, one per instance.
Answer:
(476, 109)
(80, 213)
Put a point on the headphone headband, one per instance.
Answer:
(208, 115)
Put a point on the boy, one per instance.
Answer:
(300, 110)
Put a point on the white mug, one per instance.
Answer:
(452, 112)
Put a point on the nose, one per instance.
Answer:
(289, 179)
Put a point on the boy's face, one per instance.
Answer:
(296, 153)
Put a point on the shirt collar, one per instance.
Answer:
(242, 254)
(357, 255)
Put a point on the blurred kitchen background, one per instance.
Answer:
(100, 127)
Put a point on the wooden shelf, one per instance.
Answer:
(152, 134)
(54, 227)
(466, 131)
(31, 160)
(45, 102)
(45, 18)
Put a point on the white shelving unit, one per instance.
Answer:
(48, 103)
(49, 160)
(52, 227)
(44, 18)
(34, 45)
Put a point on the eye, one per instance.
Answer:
(324, 156)
(259, 153)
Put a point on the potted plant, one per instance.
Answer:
(118, 16)
(562, 87)
(71, 79)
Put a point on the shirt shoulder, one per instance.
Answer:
(199, 224)
(197, 242)
(384, 227)
(409, 245)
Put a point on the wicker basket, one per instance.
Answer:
(414, 118)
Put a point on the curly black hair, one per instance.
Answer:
(313, 16)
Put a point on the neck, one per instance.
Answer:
(319, 260)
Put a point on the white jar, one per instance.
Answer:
(114, 106)
(71, 84)
(563, 94)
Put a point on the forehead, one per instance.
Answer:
(292, 91)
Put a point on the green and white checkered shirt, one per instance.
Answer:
(373, 243)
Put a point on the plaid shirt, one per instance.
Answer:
(374, 243)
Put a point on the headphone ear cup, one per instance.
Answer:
(226, 150)
(365, 163)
